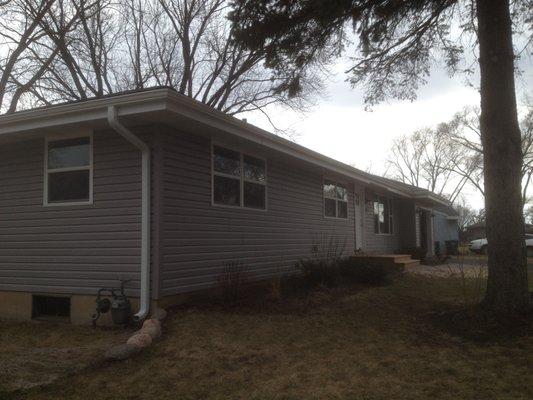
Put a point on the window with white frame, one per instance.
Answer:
(335, 199)
(239, 179)
(383, 217)
(68, 170)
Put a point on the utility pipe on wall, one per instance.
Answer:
(113, 121)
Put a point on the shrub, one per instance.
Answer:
(323, 267)
(416, 253)
(319, 272)
(472, 279)
(233, 281)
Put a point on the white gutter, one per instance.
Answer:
(113, 121)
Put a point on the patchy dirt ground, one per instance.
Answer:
(408, 340)
(450, 269)
(457, 267)
(38, 353)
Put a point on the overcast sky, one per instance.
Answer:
(339, 127)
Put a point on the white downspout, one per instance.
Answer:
(113, 121)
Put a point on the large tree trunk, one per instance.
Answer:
(507, 287)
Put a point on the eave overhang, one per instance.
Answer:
(148, 107)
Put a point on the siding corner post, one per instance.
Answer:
(145, 208)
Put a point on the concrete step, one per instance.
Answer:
(408, 263)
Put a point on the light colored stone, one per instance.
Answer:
(122, 352)
(140, 340)
(152, 322)
(159, 314)
(153, 330)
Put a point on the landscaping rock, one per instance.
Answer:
(152, 322)
(153, 330)
(122, 352)
(141, 340)
(159, 314)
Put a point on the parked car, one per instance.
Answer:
(479, 246)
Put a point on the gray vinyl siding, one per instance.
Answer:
(69, 249)
(198, 238)
(418, 234)
(381, 243)
(445, 229)
(78, 249)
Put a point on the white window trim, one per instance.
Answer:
(241, 178)
(54, 138)
(391, 215)
(324, 197)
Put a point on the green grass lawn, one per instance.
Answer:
(407, 340)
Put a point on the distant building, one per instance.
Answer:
(477, 231)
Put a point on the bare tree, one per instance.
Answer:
(406, 157)
(79, 49)
(464, 132)
(467, 215)
(449, 157)
(20, 35)
(425, 159)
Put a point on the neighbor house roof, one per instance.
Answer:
(481, 225)
(164, 104)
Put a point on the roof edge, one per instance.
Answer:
(167, 99)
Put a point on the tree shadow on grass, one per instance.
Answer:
(476, 324)
(295, 297)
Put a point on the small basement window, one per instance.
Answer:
(68, 171)
(50, 307)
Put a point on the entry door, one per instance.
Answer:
(358, 215)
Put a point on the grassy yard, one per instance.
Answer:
(407, 340)
(467, 255)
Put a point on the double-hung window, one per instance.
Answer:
(68, 171)
(335, 200)
(239, 179)
(383, 218)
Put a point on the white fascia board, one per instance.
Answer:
(83, 111)
(51, 121)
(433, 198)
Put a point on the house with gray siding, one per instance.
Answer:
(446, 227)
(160, 190)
